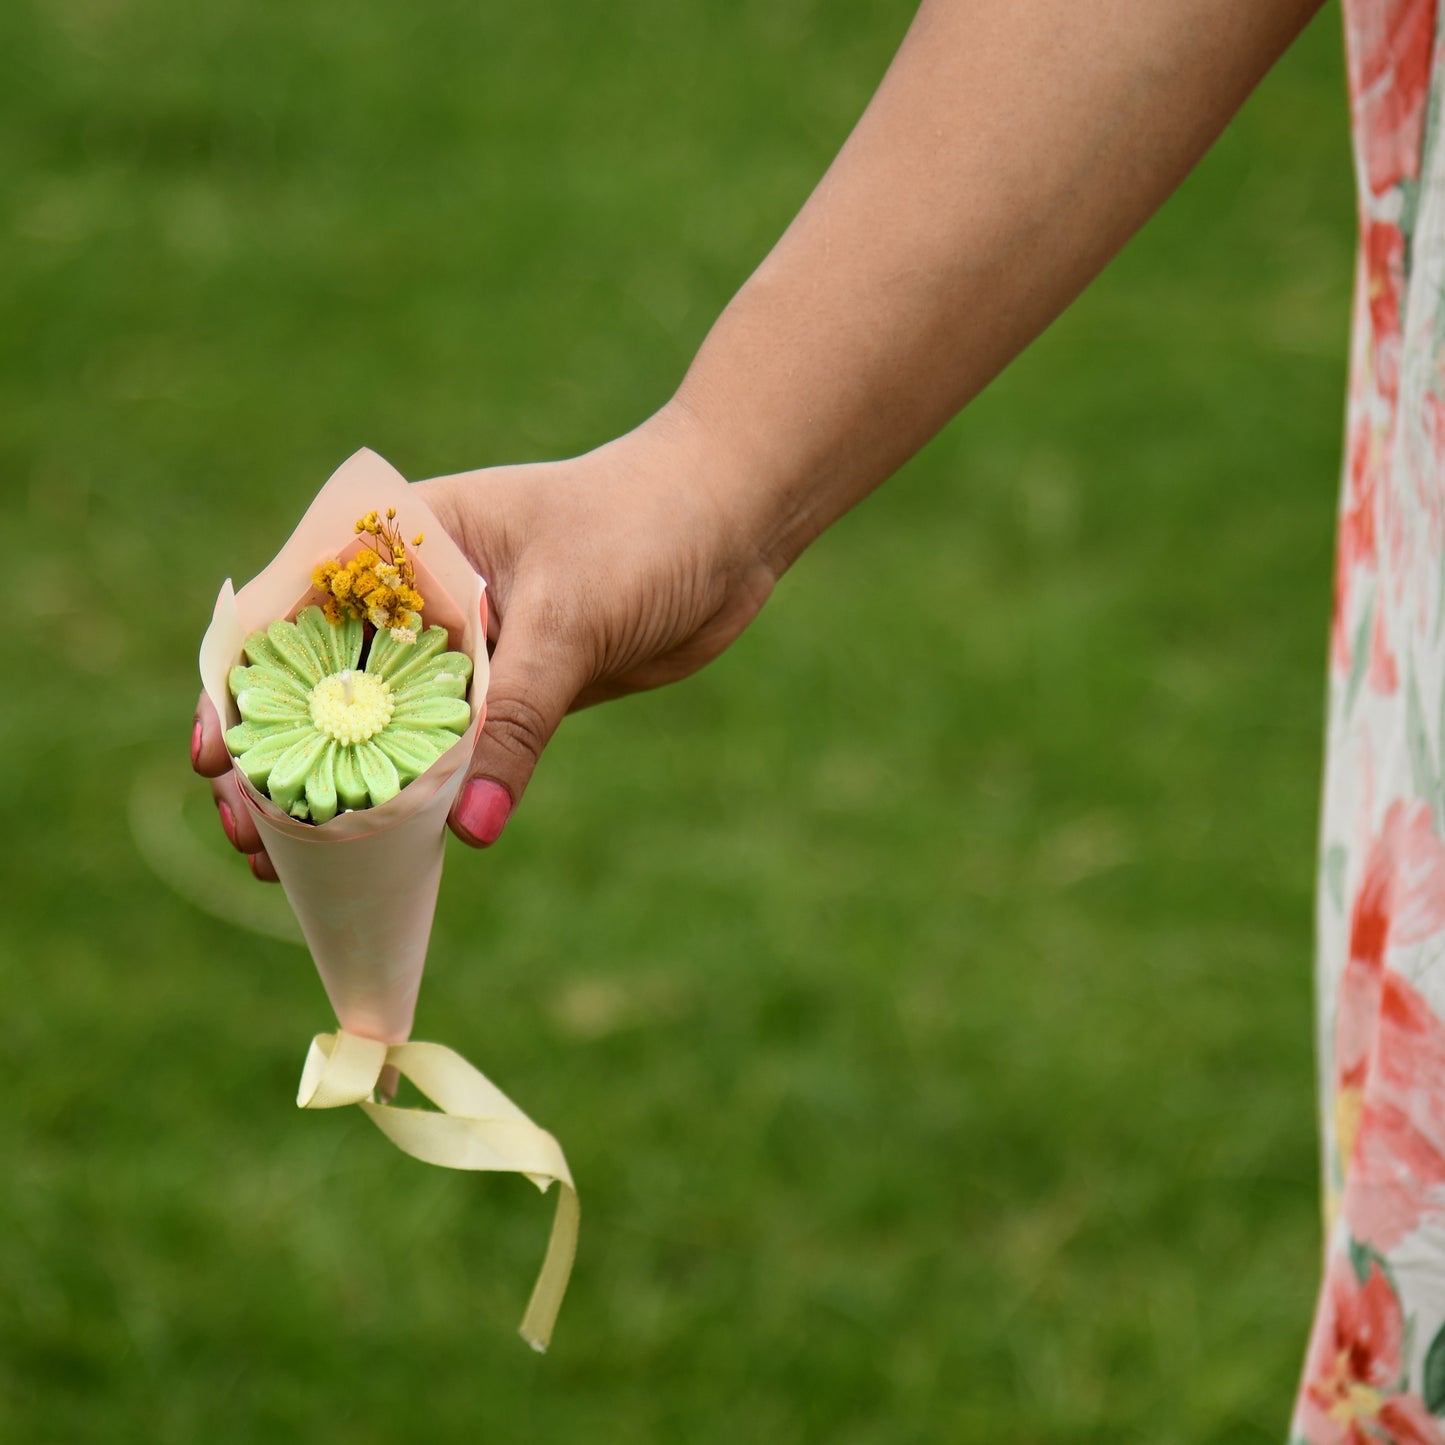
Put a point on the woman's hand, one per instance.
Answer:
(614, 572)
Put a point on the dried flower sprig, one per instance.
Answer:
(378, 585)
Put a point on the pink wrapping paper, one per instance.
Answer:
(363, 885)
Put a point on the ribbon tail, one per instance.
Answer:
(546, 1301)
(477, 1128)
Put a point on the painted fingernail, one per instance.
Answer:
(228, 820)
(196, 743)
(483, 811)
(255, 860)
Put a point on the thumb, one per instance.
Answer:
(535, 676)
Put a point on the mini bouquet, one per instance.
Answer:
(351, 676)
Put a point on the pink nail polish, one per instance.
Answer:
(228, 820)
(484, 810)
(196, 743)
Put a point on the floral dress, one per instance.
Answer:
(1375, 1369)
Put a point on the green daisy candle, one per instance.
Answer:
(321, 732)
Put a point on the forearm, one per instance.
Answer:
(1012, 148)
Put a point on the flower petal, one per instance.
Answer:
(288, 773)
(337, 645)
(257, 761)
(295, 651)
(378, 772)
(321, 785)
(315, 631)
(349, 637)
(265, 675)
(257, 649)
(446, 675)
(393, 660)
(437, 712)
(350, 785)
(245, 736)
(413, 750)
(264, 705)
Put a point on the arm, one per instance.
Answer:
(1012, 148)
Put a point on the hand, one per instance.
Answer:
(211, 760)
(614, 572)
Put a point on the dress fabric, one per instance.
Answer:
(1375, 1367)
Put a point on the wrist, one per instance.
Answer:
(758, 498)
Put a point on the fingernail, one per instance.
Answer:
(228, 820)
(196, 743)
(254, 859)
(483, 811)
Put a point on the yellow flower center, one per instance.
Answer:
(1357, 1401)
(351, 706)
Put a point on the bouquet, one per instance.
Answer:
(351, 674)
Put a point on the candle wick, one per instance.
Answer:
(346, 686)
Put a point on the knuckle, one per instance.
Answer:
(563, 618)
(518, 727)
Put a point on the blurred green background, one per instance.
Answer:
(922, 994)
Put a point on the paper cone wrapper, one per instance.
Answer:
(364, 885)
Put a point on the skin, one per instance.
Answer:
(1011, 149)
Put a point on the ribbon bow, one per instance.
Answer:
(478, 1127)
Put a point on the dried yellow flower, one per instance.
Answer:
(378, 584)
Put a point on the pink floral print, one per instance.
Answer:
(1375, 1369)
(1353, 1391)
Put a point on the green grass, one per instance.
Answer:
(922, 994)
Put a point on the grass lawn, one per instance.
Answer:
(922, 994)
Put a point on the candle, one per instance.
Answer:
(320, 732)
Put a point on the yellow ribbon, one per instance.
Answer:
(479, 1128)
